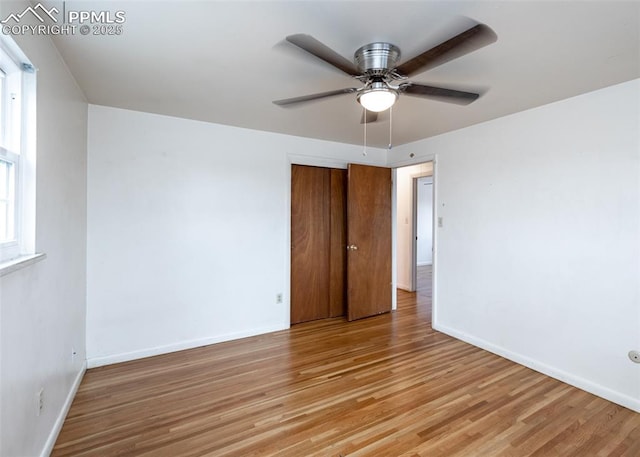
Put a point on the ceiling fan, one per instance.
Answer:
(375, 66)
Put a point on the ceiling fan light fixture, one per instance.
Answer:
(378, 97)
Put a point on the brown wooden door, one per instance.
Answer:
(318, 243)
(309, 243)
(369, 239)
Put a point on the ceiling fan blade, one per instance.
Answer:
(310, 97)
(468, 41)
(439, 93)
(314, 47)
(369, 116)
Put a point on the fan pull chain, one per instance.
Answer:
(390, 126)
(364, 151)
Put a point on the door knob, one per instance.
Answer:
(352, 247)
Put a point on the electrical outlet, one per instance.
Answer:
(634, 356)
(279, 298)
(39, 401)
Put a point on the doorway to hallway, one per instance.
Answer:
(414, 230)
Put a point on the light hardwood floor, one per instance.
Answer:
(383, 386)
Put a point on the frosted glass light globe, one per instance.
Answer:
(378, 99)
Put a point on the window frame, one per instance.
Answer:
(17, 146)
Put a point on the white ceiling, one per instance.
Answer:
(224, 62)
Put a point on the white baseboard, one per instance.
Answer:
(422, 264)
(576, 381)
(57, 426)
(93, 362)
(404, 287)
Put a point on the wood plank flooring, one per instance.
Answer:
(383, 386)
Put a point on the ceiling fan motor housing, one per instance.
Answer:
(377, 59)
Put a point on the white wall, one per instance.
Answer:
(404, 218)
(538, 256)
(424, 221)
(189, 228)
(42, 306)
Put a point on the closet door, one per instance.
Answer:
(318, 243)
(369, 238)
(310, 241)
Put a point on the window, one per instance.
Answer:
(7, 201)
(17, 154)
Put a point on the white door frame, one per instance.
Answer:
(410, 281)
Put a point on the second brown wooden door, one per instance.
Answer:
(369, 241)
